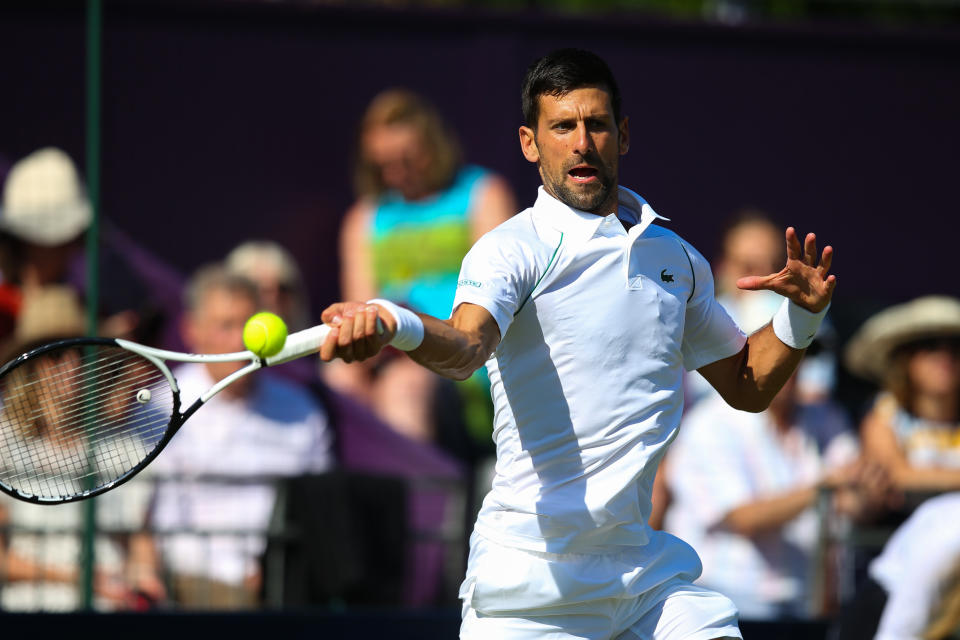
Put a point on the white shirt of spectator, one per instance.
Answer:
(723, 459)
(53, 537)
(597, 325)
(915, 566)
(278, 431)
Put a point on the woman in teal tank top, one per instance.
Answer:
(418, 213)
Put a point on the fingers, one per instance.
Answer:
(826, 260)
(831, 284)
(793, 244)
(354, 335)
(810, 249)
(753, 283)
(330, 313)
(328, 350)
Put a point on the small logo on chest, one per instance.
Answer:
(666, 277)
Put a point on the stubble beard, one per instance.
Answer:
(593, 198)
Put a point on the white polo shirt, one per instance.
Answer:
(597, 325)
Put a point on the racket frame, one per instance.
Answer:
(297, 345)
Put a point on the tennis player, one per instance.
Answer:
(586, 313)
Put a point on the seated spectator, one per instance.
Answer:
(418, 212)
(913, 427)
(211, 534)
(45, 214)
(913, 587)
(363, 442)
(743, 489)
(40, 546)
(278, 278)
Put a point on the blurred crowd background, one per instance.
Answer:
(280, 155)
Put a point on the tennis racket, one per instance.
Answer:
(82, 416)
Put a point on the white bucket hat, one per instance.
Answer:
(869, 350)
(43, 200)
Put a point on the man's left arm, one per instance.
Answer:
(749, 379)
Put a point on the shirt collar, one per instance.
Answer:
(581, 224)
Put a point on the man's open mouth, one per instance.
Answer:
(583, 174)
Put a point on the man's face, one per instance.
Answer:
(216, 326)
(752, 249)
(577, 146)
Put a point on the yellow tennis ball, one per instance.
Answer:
(264, 334)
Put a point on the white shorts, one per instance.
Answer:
(632, 593)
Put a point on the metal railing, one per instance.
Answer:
(144, 559)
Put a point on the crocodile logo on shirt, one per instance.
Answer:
(666, 277)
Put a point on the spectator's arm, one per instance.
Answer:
(880, 444)
(769, 513)
(494, 204)
(143, 567)
(356, 264)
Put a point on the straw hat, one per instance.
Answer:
(48, 313)
(869, 350)
(43, 199)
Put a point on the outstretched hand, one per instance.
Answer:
(806, 283)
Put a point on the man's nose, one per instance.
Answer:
(583, 144)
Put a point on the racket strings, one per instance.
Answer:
(78, 418)
(77, 411)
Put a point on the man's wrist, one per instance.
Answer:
(795, 326)
(409, 332)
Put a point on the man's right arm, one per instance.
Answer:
(453, 348)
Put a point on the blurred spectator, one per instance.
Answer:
(418, 212)
(913, 587)
(45, 211)
(45, 214)
(277, 276)
(913, 427)
(744, 487)
(257, 428)
(754, 245)
(363, 443)
(40, 546)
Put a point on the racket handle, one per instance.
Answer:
(299, 344)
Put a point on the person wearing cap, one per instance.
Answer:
(45, 210)
(913, 428)
(44, 216)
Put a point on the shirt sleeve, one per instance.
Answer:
(709, 334)
(498, 275)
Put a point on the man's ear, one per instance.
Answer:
(624, 130)
(528, 144)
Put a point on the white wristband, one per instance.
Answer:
(795, 326)
(409, 333)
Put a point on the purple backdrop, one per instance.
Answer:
(219, 115)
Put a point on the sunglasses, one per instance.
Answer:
(951, 344)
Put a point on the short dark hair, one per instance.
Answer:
(562, 71)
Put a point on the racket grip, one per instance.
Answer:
(299, 344)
